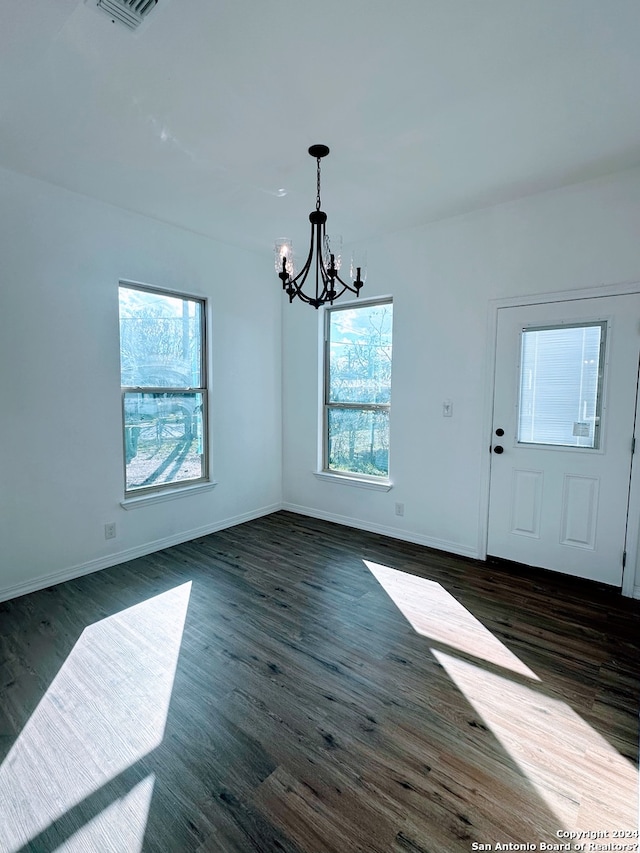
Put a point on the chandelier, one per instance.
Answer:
(325, 258)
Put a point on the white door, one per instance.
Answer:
(563, 423)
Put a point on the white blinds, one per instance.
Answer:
(561, 385)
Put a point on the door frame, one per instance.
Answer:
(633, 513)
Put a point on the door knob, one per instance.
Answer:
(498, 449)
(499, 431)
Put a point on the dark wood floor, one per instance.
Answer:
(291, 685)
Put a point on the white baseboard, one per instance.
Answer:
(383, 530)
(114, 559)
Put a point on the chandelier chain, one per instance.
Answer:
(318, 193)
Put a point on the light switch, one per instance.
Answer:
(447, 409)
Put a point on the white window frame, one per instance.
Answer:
(367, 481)
(155, 492)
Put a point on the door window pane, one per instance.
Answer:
(561, 385)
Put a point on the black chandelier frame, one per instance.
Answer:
(328, 284)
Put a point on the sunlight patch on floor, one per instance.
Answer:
(578, 774)
(106, 709)
(119, 827)
(582, 779)
(435, 613)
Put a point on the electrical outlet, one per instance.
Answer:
(110, 530)
(399, 509)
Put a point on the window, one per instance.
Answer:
(164, 389)
(357, 389)
(561, 370)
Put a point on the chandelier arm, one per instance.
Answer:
(346, 285)
(294, 289)
(344, 288)
(295, 285)
(304, 272)
(318, 236)
(298, 281)
(321, 296)
(338, 294)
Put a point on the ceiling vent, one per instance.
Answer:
(131, 13)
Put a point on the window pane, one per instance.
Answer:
(560, 385)
(358, 441)
(160, 340)
(360, 354)
(163, 438)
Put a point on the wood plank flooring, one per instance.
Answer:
(295, 686)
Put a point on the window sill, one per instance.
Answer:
(168, 495)
(380, 485)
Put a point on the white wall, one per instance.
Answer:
(61, 463)
(61, 467)
(442, 278)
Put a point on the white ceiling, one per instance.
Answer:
(430, 107)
